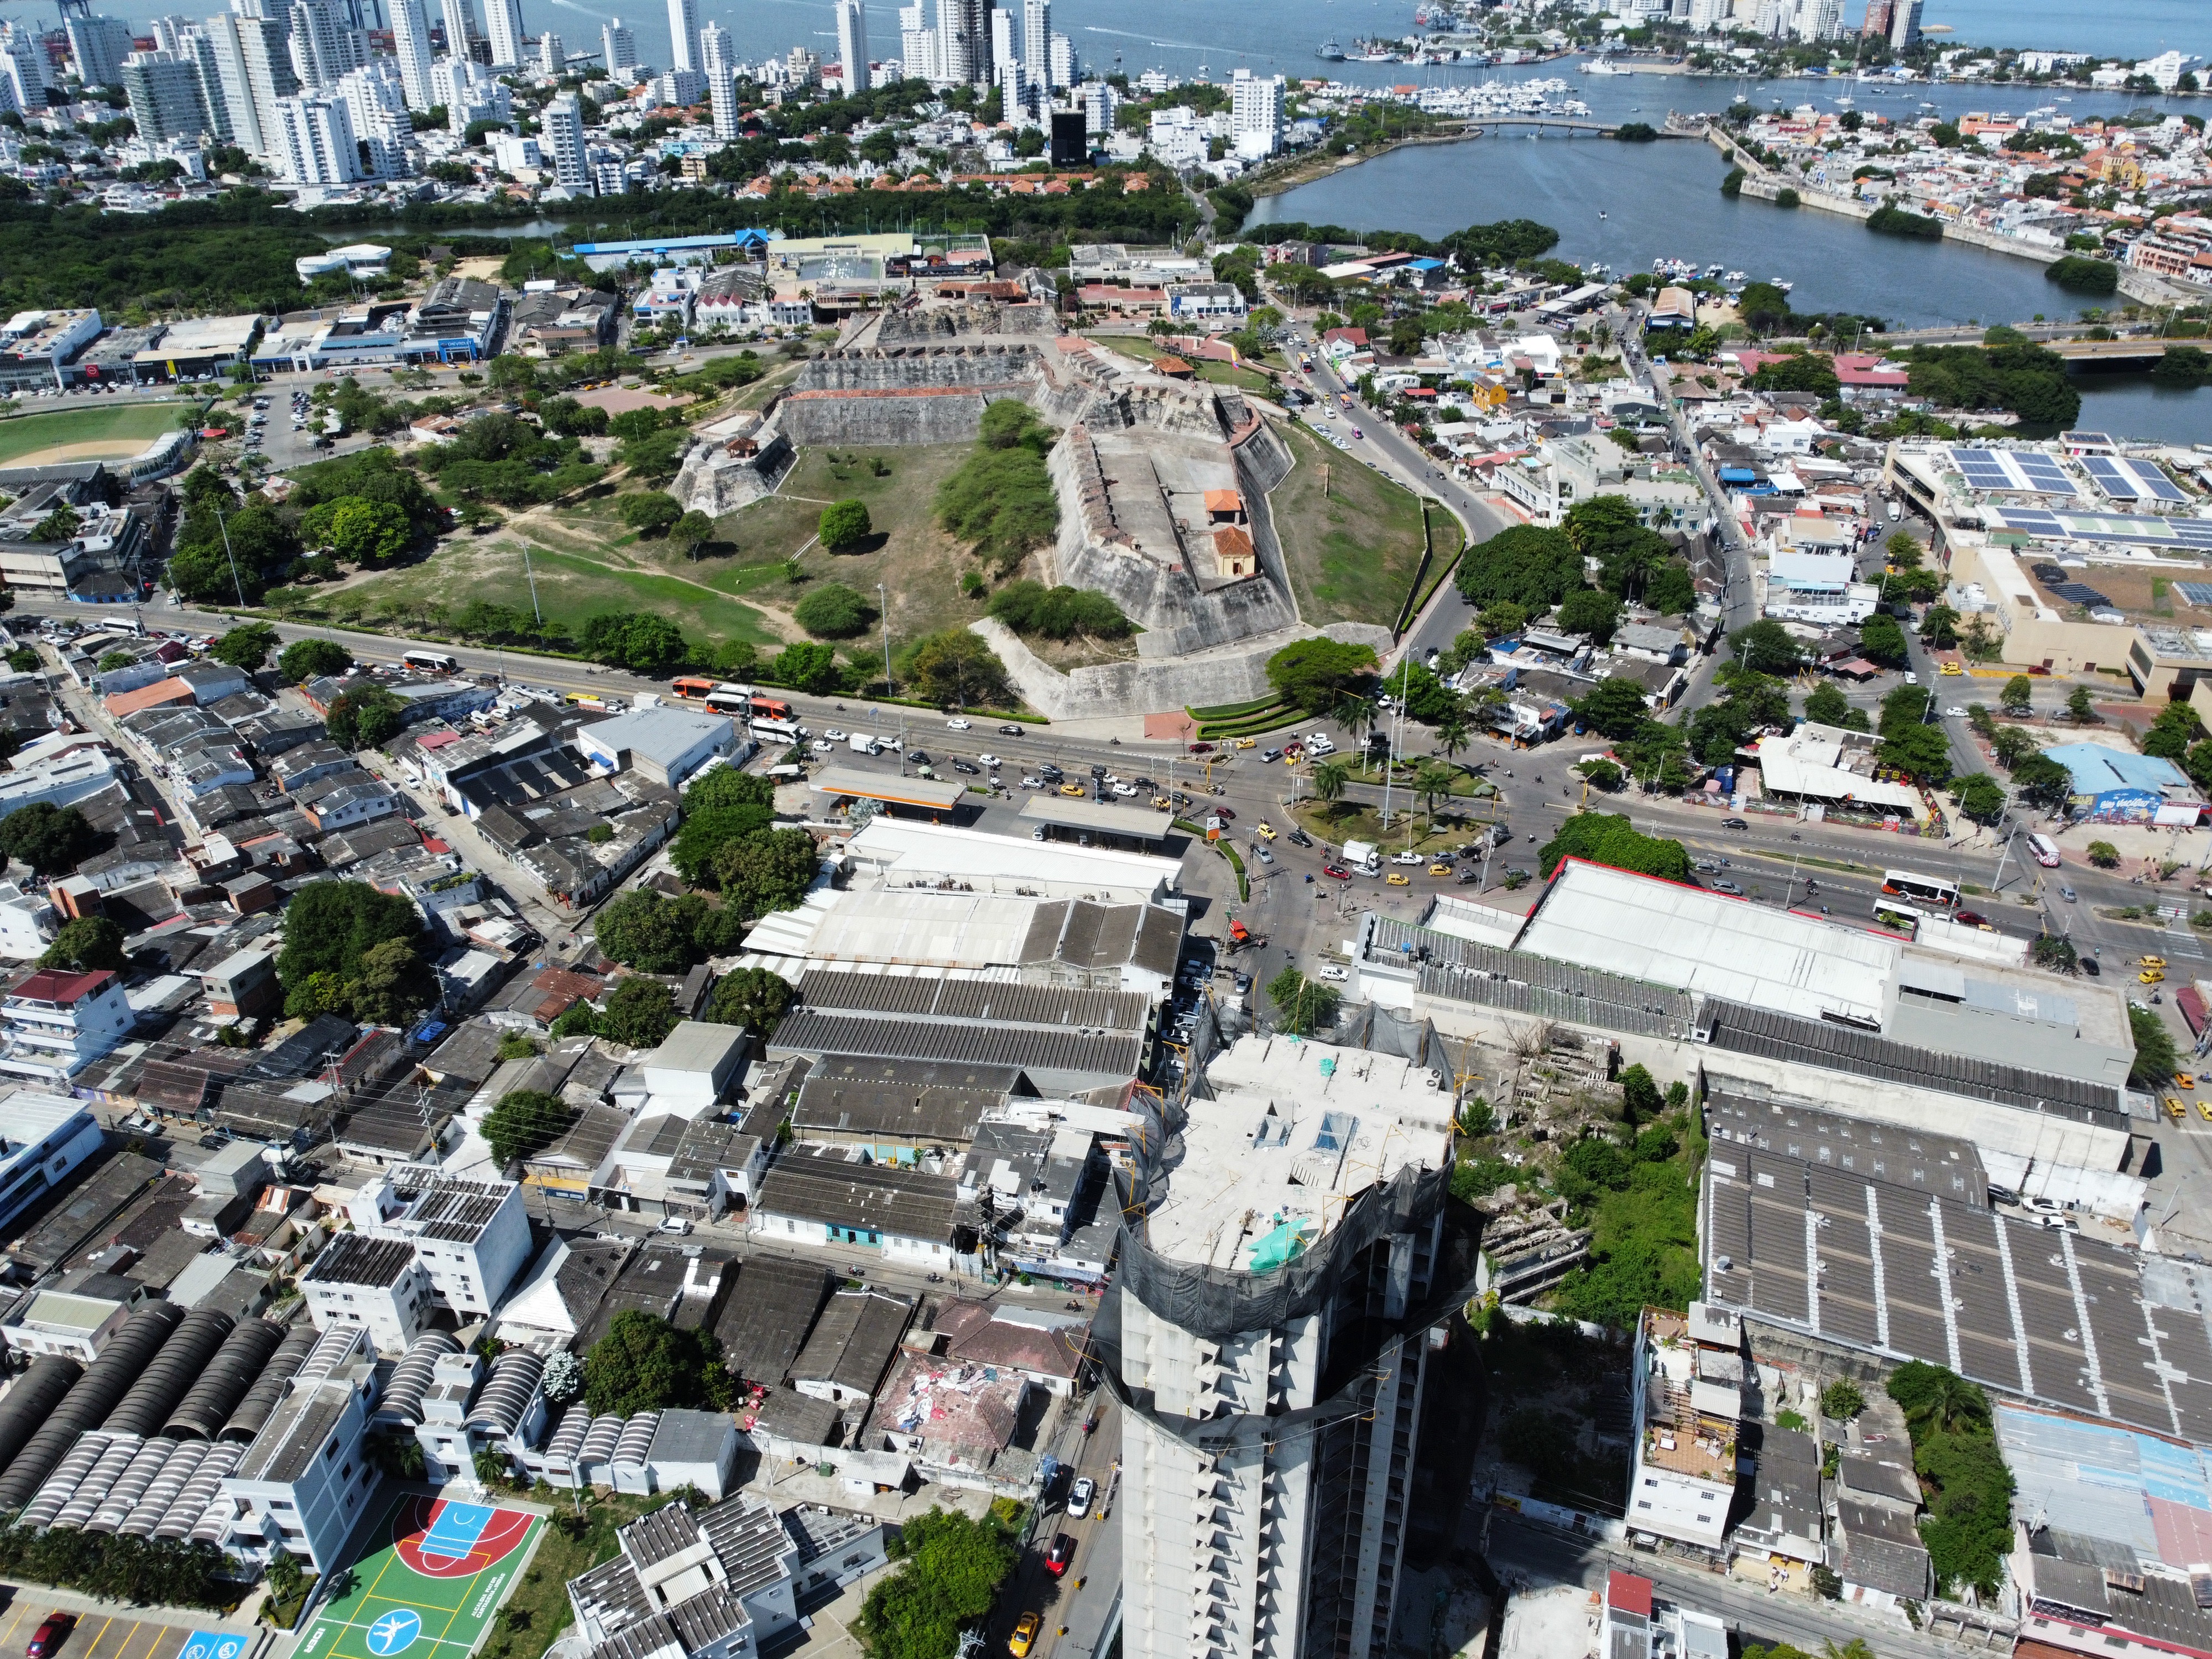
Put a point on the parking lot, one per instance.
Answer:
(99, 1635)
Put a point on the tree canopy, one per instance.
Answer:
(1314, 674)
(833, 611)
(85, 942)
(331, 926)
(1532, 568)
(1001, 501)
(644, 1363)
(1058, 613)
(1609, 838)
(526, 1120)
(50, 839)
(949, 1575)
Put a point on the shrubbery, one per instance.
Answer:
(1968, 1526)
(1001, 501)
(1058, 613)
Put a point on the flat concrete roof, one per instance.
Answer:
(939, 794)
(1142, 823)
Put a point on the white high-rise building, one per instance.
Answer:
(1060, 65)
(1904, 26)
(23, 67)
(255, 71)
(552, 56)
(1101, 104)
(684, 33)
(199, 46)
(918, 46)
(100, 44)
(853, 45)
(561, 133)
(964, 43)
(460, 32)
(164, 90)
(618, 46)
(1004, 55)
(717, 62)
(410, 44)
(503, 24)
(324, 48)
(376, 102)
(170, 34)
(1818, 20)
(1037, 43)
(1706, 16)
(1281, 1280)
(1255, 114)
(315, 141)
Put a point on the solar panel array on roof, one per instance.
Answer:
(2080, 593)
(2022, 472)
(2126, 480)
(2119, 528)
(2195, 593)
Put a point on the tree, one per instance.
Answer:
(1882, 640)
(640, 1013)
(1431, 779)
(1614, 708)
(639, 642)
(948, 1580)
(1980, 797)
(1587, 610)
(245, 648)
(1501, 619)
(1314, 674)
(2104, 854)
(1302, 1006)
(1608, 838)
(765, 872)
(2018, 695)
(844, 526)
(1939, 629)
(2154, 1060)
(2055, 952)
(2079, 708)
(313, 659)
(643, 930)
(1058, 613)
(957, 668)
(86, 943)
(1532, 568)
(650, 513)
(368, 532)
(753, 998)
(392, 988)
(1765, 647)
(833, 611)
(706, 831)
(644, 1363)
(331, 926)
(2171, 733)
(1841, 1399)
(691, 532)
(1826, 705)
(366, 719)
(1920, 752)
(1640, 1099)
(1329, 782)
(525, 1121)
(50, 839)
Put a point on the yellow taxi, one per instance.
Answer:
(2206, 1110)
(1265, 830)
(1398, 879)
(2150, 961)
(2151, 976)
(1161, 803)
(2174, 1109)
(1248, 743)
(1950, 670)
(1025, 1635)
(1440, 868)
(2184, 1080)
(1074, 789)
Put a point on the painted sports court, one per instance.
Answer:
(435, 1572)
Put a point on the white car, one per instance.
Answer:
(674, 1224)
(1079, 1496)
(1407, 857)
(991, 761)
(822, 745)
(1032, 783)
(1333, 974)
(833, 735)
(1955, 714)
(956, 725)
(1125, 790)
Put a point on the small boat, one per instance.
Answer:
(1601, 213)
(1329, 52)
(1736, 276)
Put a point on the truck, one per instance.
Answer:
(1363, 856)
(862, 744)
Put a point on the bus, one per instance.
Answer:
(775, 710)
(432, 662)
(1925, 890)
(1899, 918)
(691, 689)
(2044, 850)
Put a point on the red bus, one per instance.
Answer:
(691, 689)
(770, 708)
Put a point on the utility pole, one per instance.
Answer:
(232, 556)
(533, 576)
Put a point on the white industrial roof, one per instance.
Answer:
(1143, 822)
(906, 850)
(663, 735)
(1472, 919)
(1709, 943)
(941, 794)
(948, 930)
(1807, 767)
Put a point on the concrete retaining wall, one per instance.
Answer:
(907, 395)
(1148, 686)
(715, 482)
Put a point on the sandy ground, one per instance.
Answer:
(483, 270)
(616, 399)
(88, 449)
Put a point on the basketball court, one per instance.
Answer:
(435, 1572)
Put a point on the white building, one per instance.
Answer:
(410, 43)
(552, 56)
(918, 48)
(618, 46)
(472, 1236)
(304, 1484)
(164, 96)
(716, 1585)
(24, 74)
(1264, 1542)
(321, 47)
(684, 33)
(100, 44)
(1687, 1374)
(255, 69)
(58, 1022)
(717, 62)
(562, 127)
(1036, 45)
(666, 744)
(1102, 103)
(693, 1069)
(377, 1284)
(504, 23)
(1175, 138)
(43, 1137)
(853, 45)
(1905, 26)
(1255, 114)
(26, 924)
(314, 141)
(1061, 64)
(461, 30)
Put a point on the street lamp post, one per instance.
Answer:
(232, 556)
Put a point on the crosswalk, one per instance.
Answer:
(2181, 938)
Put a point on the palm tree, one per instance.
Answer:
(1451, 734)
(1329, 780)
(1355, 714)
(1433, 779)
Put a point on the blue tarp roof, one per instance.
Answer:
(2096, 769)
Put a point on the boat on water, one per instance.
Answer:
(1329, 52)
(1734, 276)
(1604, 66)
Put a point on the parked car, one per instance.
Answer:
(1079, 1497)
(1728, 887)
(1733, 824)
(48, 1636)
(1407, 858)
(919, 757)
(1059, 1554)
(1025, 1635)
(1333, 975)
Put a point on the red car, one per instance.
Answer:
(1202, 748)
(48, 1636)
(1061, 1552)
(1336, 870)
(1224, 815)
(1970, 918)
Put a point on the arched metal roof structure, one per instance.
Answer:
(236, 1366)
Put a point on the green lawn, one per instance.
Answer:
(123, 427)
(1352, 553)
(1147, 350)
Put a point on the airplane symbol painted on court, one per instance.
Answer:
(394, 1632)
